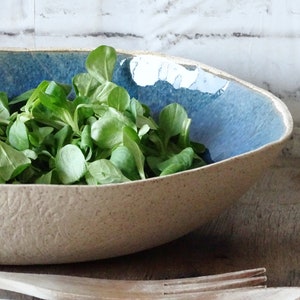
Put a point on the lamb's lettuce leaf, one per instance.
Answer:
(91, 132)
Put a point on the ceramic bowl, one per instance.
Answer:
(243, 126)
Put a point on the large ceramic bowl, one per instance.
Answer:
(243, 126)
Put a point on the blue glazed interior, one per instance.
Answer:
(229, 122)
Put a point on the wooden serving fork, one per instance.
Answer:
(47, 286)
(246, 284)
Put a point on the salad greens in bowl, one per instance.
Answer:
(105, 153)
(98, 135)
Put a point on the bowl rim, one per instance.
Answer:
(278, 104)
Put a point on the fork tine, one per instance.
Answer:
(244, 278)
(224, 276)
(214, 285)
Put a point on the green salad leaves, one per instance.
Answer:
(101, 136)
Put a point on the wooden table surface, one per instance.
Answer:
(262, 229)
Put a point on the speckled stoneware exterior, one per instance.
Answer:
(243, 126)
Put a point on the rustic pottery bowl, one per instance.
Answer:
(243, 126)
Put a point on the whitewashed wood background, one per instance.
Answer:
(257, 40)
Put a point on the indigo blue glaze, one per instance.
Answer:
(21, 71)
(229, 122)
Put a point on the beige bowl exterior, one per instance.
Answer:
(43, 224)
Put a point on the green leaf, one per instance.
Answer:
(184, 135)
(141, 114)
(107, 132)
(119, 99)
(198, 162)
(153, 163)
(4, 110)
(12, 162)
(198, 148)
(178, 162)
(43, 115)
(123, 159)
(143, 130)
(103, 171)
(31, 102)
(171, 120)
(86, 142)
(83, 111)
(102, 92)
(97, 94)
(63, 137)
(132, 142)
(30, 154)
(58, 90)
(59, 111)
(38, 134)
(18, 135)
(54, 98)
(85, 85)
(45, 178)
(100, 63)
(28, 175)
(156, 144)
(70, 164)
(21, 98)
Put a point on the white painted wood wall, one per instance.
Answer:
(257, 40)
